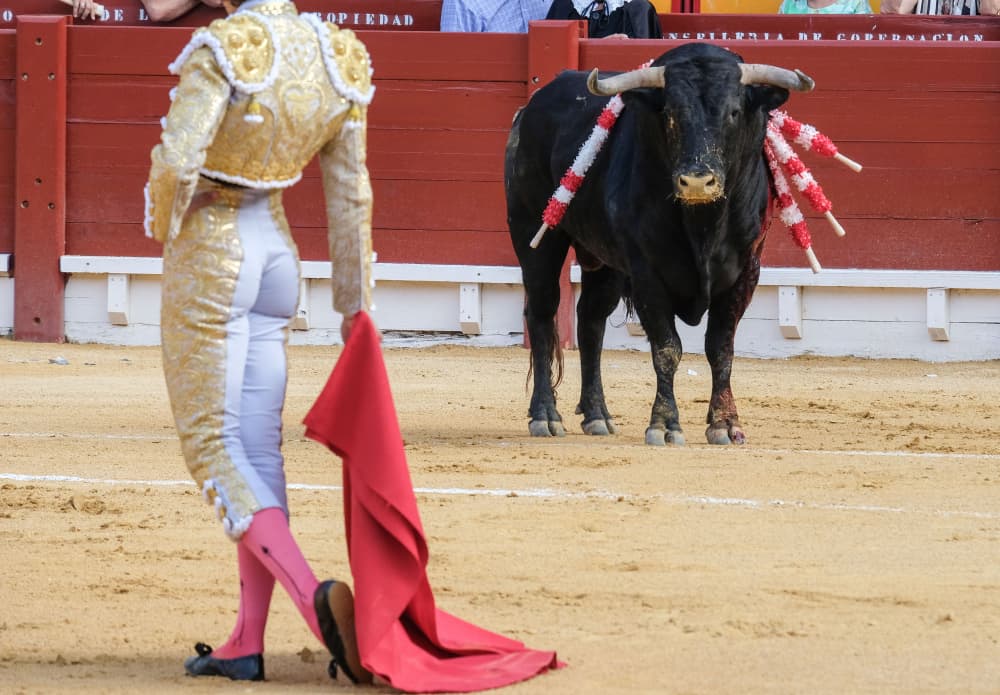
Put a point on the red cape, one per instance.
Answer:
(402, 636)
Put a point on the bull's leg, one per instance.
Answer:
(601, 291)
(541, 268)
(665, 346)
(724, 315)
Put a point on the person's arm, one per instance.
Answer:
(990, 8)
(189, 128)
(348, 192)
(898, 6)
(167, 10)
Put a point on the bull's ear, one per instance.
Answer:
(766, 97)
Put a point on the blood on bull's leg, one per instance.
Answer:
(724, 315)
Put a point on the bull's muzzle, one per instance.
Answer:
(695, 188)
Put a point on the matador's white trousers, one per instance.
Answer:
(230, 289)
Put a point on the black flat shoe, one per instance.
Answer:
(334, 606)
(244, 668)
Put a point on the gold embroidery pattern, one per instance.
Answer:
(297, 113)
(190, 125)
(200, 269)
(349, 215)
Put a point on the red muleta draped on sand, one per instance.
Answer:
(402, 636)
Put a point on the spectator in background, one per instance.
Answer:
(636, 19)
(825, 7)
(167, 10)
(949, 7)
(510, 16)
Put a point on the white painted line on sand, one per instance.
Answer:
(172, 436)
(686, 500)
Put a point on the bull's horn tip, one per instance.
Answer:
(592, 81)
(807, 83)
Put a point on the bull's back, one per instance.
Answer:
(545, 137)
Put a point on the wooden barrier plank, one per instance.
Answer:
(892, 66)
(448, 56)
(439, 56)
(95, 148)
(8, 62)
(893, 244)
(392, 245)
(40, 178)
(413, 204)
(420, 246)
(149, 51)
(114, 196)
(870, 243)
(413, 103)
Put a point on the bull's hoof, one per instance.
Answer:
(658, 437)
(546, 428)
(717, 435)
(721, 435)
(599, 428)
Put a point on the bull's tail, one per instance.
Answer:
(555, 357)
(628, 299)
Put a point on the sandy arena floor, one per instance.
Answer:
(853, 546)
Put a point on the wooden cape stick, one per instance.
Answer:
(97, 6)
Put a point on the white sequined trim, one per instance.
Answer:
(235, 530)
(147, 215)
(249, 183)
(346, 91)
(203, 37)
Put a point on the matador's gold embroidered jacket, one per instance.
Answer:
(261, 92)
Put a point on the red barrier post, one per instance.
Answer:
(40, 178)
(554, 46)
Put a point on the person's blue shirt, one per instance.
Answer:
(510, 16)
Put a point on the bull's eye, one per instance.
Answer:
(734, 115)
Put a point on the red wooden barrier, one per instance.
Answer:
(8, 90)
(40, 178)
(394, 15)
(919, 115)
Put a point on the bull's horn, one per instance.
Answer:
(755, 73)
(609, 86)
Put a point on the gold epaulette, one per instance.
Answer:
(352, 62)
(248, 50)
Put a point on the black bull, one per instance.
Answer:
(669, 217)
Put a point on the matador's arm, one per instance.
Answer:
(195, 114)
(348, 192)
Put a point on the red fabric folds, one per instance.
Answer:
(402, 636)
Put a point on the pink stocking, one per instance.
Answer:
(270, 540)
(256, 586)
